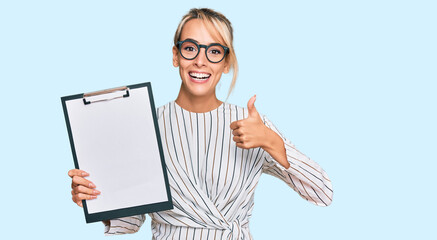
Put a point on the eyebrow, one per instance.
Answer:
(192, 40)
(198, 41)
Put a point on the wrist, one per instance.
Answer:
(274, 145)
(271, 140)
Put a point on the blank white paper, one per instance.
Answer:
(116, 143)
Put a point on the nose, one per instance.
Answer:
(201, 59)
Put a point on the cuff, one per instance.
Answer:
(125, 225)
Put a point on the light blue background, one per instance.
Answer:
(351, 83)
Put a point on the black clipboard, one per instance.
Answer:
(115, 132)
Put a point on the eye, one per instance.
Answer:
(190, 49)
(215, 50)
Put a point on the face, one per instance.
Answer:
(199, 76)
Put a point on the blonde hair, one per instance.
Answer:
(215, 22)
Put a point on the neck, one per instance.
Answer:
(197, 104)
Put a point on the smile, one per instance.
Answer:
(199, 77)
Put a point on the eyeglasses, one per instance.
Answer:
(189, 50)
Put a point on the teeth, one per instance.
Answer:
(200, 75)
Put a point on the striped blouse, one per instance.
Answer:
(212, 181)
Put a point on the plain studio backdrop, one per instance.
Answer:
(351, 83)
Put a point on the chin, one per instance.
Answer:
(199, 91)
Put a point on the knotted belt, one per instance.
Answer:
(234, 231)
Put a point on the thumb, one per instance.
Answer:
(251, 107)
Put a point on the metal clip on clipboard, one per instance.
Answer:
(106, 91)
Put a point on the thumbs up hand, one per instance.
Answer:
(250, 132)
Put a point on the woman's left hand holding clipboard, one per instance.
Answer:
(81, 188)
(251, 132)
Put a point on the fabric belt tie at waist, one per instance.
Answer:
(233, 232)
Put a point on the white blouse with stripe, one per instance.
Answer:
(212, 181)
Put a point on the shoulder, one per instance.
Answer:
(232, 107)
(160, 110)
(235, 109)
(240, 112)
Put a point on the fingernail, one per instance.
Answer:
(92, 185)
(93, 197)
(97, 192)
(84, 174)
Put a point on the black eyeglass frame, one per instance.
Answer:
(179, 44)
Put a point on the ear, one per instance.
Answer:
(227, 67)
(175, 57)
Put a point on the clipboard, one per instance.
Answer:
(114, 136)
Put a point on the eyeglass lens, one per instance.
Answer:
(214, 53)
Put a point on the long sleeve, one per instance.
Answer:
(304, 175)
(124, 225)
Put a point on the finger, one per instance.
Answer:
(81, 196)
(78, 202)
(82, 181)
(242, 145)
(237, 132)
(85, 190)
(77, 172)
(240, 139)
(251, 107)
(236, 139)
(235, 124)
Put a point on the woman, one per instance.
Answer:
(215, 152)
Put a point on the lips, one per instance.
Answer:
(199, 77)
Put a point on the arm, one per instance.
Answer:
(304, 175)
(281, 158)
(274, 145)
(124, 225)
